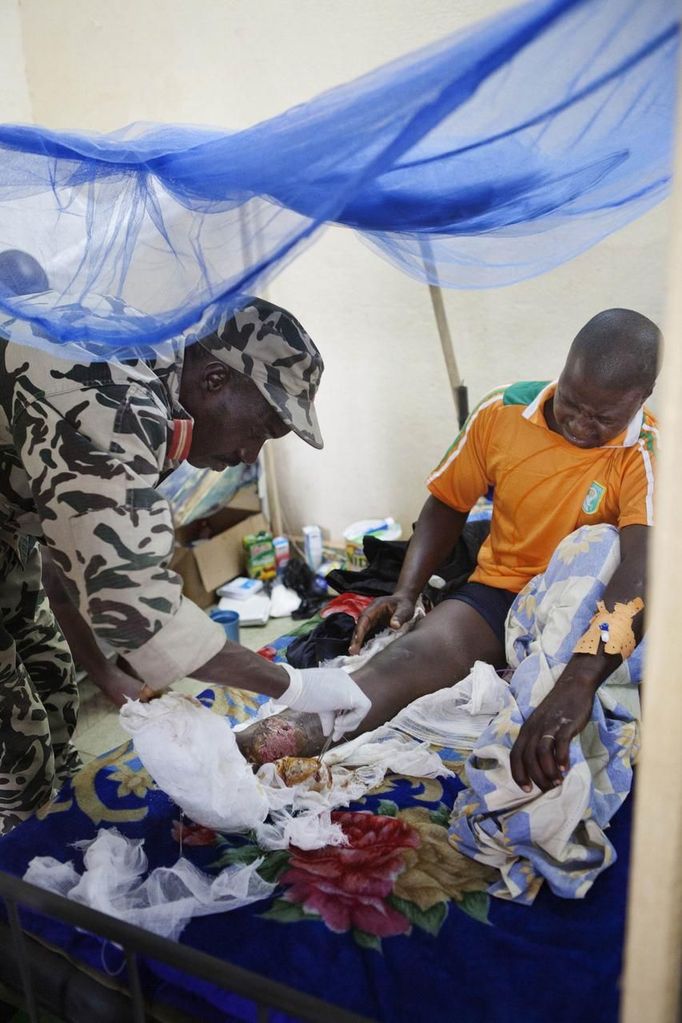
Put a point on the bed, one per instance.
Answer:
(402, 926)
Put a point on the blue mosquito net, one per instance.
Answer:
(489, 157)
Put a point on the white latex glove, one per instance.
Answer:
(329, 692)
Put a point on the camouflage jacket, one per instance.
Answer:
(82, 447)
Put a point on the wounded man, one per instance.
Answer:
(571, 464)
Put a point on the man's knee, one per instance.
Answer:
(440, 650)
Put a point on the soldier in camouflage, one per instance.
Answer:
(82, 447)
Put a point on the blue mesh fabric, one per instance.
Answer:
(485, 159)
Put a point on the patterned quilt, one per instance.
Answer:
(397, 925)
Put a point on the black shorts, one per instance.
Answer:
(491, 603)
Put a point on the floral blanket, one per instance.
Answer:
(395, 926)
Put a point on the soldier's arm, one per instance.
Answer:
(111, 535)
(105, 673)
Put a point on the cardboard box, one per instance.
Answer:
(205, 563)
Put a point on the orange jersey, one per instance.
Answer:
(544, 486)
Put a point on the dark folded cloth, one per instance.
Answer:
(331, 638)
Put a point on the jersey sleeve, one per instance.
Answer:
(637, 483)
(462, 476)
(110, 531)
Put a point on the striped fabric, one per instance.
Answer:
(180, 440)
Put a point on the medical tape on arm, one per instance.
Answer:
(612, 628)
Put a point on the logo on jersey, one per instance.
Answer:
(593, 497)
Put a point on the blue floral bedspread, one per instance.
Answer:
(396, 926)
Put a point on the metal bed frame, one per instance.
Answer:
(266, 994)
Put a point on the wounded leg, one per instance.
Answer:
(438, 652)
(292, 733)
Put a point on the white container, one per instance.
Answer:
(383, 529)
(240, 588)
(312, 546)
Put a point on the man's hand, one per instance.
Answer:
(399, 608)
(329, 692)
(117, 684)
(147, 693)
(540, 753)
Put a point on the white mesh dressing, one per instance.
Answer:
(192, 755)
(457, 716)
(164, 902)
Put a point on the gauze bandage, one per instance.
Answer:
(612, 628)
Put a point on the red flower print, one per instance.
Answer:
(192, 834)
(348, 885)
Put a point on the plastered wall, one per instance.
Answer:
(385, 406)
(15, 100)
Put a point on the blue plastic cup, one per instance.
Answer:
(229, 621)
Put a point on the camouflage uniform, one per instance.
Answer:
(81, 449)
(38, 694)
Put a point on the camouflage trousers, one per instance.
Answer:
(38, 693)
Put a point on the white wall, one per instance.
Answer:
(15, 100)
(385, 407)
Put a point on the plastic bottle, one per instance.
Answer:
(312, 546)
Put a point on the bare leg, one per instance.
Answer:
(438, 652)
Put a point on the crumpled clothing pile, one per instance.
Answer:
(164, 902)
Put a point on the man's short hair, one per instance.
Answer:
(620, 349)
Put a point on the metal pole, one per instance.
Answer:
(135, 987)
(19, 942)
(457, 386)
(436, 293)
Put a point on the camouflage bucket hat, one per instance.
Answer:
(268, 345)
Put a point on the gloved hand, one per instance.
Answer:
(329, 692)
